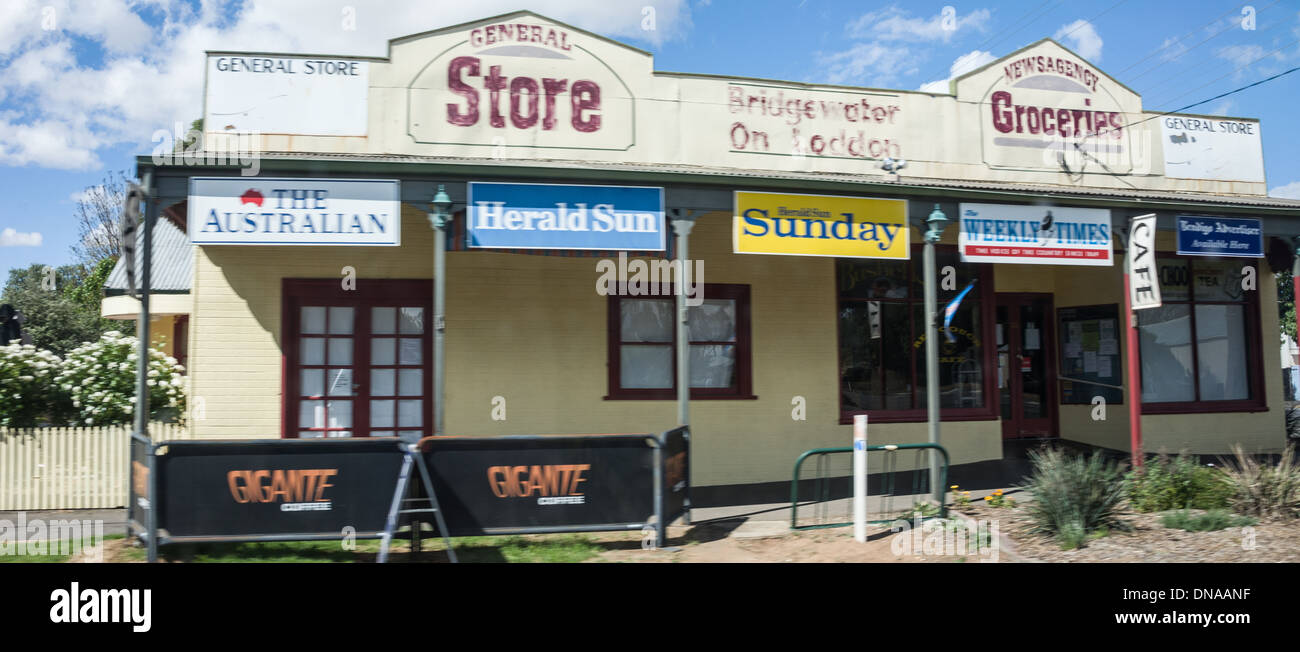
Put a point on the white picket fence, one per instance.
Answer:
(69, 468)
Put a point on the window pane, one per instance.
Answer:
(713, 365)
(311, 414)
(412, 320)
(646, 320)
(1217, 281)
(961, 359)
(381, 351)
(382, 382)
(1165, 335)
(410, 382)
(310, 434)
(1174, 279)
(313, 319)
(340, 414)
(313, 382)
(412, 351)
(383, 321)
(872, 279)
(340, 382)
(645, 367)
(713, 321)
(313, 350)
(340, 350)
(859, 357)
(341, 321)
(409, 413)
(381, 414)
(1221, 352)
(338, 433)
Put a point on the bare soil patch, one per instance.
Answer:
(1147, 540)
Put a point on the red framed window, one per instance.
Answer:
(642, 336)
(357, 363)
(882, 339)
(1200, 349)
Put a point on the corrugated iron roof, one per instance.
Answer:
(872, 180)
(173, 261)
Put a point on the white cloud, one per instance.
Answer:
(1222, 108)
(893, 24)
(960, 66)
(883, 55)
(1288, 191)
(1172, 48)
(12, 238)
(60, 112)
(1081, 37)
(868, 64)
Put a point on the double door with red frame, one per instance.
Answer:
(1025, 366)
(357, 362)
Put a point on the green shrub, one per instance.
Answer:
(1264, 490)
(1074, 496)
(1180, 483)
(1215, 519)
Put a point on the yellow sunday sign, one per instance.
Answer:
(820, 225)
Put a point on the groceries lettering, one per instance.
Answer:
(298, 490)
(1010, 117)
(553, 484)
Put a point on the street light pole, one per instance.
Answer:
(933, 233)
(439, 219)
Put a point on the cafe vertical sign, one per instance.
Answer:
(1141, 292)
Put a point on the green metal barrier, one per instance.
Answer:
(821, 484)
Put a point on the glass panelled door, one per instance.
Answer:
(358, 367)
(1026, 368)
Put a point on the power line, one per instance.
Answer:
(1180, 55)
(1171, 78)
(1265, 56)
(1178, 40)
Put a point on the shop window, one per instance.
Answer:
(882, 339)
(1197, 351)
(181, 341)
(643, 345)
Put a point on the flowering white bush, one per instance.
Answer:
(27, 384)
(100, 379)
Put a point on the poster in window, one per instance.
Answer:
(1089, 354)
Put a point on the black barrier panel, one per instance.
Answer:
(487, 484)
(276, 487)
(676, 473)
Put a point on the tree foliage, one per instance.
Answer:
(60, 306)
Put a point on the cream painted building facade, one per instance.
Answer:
(801, 343)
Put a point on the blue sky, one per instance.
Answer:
(84, 84)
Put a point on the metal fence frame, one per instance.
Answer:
(798, 463)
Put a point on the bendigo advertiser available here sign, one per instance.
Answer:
(1220, 236)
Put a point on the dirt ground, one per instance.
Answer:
(1146, 541)
(1150, 542)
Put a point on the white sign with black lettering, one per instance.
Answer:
(1140, 263)
(319, 96)
(1212, 148)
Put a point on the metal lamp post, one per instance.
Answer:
(439, 219)
(934, 231)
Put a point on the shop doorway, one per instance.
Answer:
(357, 363)
(1025, 365)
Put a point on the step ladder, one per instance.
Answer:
(403, 505)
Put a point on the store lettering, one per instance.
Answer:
(759, 224)
(1010, 117)
(532, 101)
